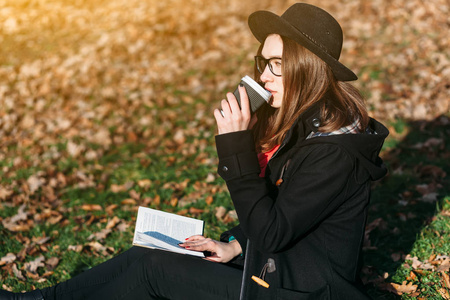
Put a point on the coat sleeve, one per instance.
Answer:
(315, 188)
(237, 233)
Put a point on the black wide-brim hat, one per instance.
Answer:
(309, 26)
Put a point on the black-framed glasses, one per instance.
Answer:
(273, 62)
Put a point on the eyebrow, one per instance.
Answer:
(278, 57)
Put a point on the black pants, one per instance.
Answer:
(142, 273)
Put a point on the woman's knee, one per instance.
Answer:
(135, 253)
(149, 260)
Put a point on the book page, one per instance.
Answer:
(162, 230)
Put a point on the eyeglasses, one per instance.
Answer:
(274, 65)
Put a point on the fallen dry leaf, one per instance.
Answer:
(17, 222)
(34, 183)
(110, 209)
(174, 201)
(404, 288)
(113, 222)
(51, 263)
(7, 259)
(396, 256)
(128, 201)
(429, 198)
(17, 273)
(445, 279)
(196, 211)
(115, 188)
(433, 171)
(432, 257)
(220, 212)
(5, 193)
(412, 276)
(76, 248)
(41, 240)
(444, 266)
(122, 227)
(444, 293)
(91, 207)
(416, 263)
(135, 195)
(210, 178)
(157, 200)
(231, 216)
(32, 266)
(101, 235)
(99, 248)
(144, 183)
(209, 200)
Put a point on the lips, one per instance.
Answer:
(270, 101)
(270, 91)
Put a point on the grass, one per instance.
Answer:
(120, 166)
(407, 226)
(410, 225)
(402, 223)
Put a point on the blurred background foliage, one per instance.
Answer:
(107, 105)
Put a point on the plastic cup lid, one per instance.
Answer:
(258, 88)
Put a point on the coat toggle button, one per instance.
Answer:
(316, 122)
(269, 267)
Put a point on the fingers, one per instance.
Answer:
(233, 104)
(245, 103)
(205, 244)
(231, 117)
(220, 252)
(226, 107)
(240, 114)
(192, 239)
(195, 238)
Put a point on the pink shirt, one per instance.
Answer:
(264, 159)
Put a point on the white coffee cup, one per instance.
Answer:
(257, 95)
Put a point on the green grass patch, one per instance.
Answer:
(405, 217)
(409, 212)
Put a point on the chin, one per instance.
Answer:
(275, 104)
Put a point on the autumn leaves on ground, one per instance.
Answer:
(107, 105)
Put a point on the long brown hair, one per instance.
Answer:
(306, 79)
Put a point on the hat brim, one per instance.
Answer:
(263, 23)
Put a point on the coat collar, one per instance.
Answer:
(306, 123)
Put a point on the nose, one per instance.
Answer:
(266, 75)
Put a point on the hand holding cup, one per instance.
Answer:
(236, 111)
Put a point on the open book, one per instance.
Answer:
(162, 230)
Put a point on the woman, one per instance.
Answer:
(301, 202)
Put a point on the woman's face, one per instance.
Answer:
(273, 47)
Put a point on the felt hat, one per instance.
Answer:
(311, 27)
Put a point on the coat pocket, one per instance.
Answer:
(320, 294)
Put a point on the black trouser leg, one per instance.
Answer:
(141, 273)
(84, 284)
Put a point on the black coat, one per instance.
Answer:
(312, 224)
